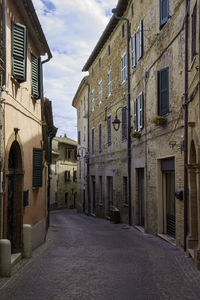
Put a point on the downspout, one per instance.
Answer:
(88, 148)
(187, 3)
(129, 113)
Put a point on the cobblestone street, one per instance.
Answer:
(90, 258)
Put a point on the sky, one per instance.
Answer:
(72, 29)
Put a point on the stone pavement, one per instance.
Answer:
(88, 258)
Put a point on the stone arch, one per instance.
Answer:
(14, 185)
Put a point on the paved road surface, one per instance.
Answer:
(88, 258)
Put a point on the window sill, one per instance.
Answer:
(14, 80)
(125, 204)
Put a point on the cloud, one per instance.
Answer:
(72, 29)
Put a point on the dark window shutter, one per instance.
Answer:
(141, 40)
(164, 12)
(194, 25)
(124, 123)
(141, 109)
(79, 137)
(133, 47)
(35, 76)
(109, 130)
(92, 140)
(135, 115)
(163, 91)
(37, 167)
(100, 138)
(19, 51)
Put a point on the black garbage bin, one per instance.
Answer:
(115, 215)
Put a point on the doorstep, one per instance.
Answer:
(15, 258)
(167, 238)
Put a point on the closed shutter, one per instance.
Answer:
(164, 12)
(19, 51)
(141, 110)
(133, 47)
(37, 167)
(135, 115)
(109, 130)
(35, 76)
(140, 40)
(124, 123)
(100, 138)
(163, 91)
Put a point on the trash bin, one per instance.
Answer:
(115, 215)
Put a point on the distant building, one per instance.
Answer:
(63, 173)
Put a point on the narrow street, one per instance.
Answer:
(90, 258)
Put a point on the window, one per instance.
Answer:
(100, 92)
(108, 50)
(74, 175)
(137, 45)
(100, 138)
(79, 137)
(163, 91)
(93, 141)
(68, 154)
(93, 100)
(37, 167)
(109, 83)
(67, 176)
(92, 72)
(36, 76)
(123, 68)
(194, 25)
(124, 123)
(123, 32)
(164, 12)
(79, 112)
(132, 11)
(109, 130)
(139, 112)
(125, 190)
(99, 62)
(19, 51)
(100, 189)
(84, 104)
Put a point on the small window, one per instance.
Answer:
(100, 138)
(123, 31)
(92, 141)
(109, 140)
(123, 68)
(109, 83)
(79, 137)
(108, 50)
(132, 11)
(100, 92)
(93, 100)
(67, 176)
(37, 167)
(194, 25)
(139, 112)
(163, 91)
(74, 175)
(92, 72)
(100, 63)
(164, 12)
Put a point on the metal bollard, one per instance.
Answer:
(5, 258)
(27, 241)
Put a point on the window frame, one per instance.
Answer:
(123, 68)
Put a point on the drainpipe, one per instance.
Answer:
(88, 148)
(187, 3)
(114, 11)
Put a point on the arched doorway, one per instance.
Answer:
(15, 198)
(192, 207)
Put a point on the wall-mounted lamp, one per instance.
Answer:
(116, 123)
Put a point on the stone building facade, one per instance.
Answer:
(63, 192)
(80, 102)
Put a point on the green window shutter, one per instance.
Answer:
(37, 167)
(35, 76)
(135, 115)
(163, 91)
(19, 51)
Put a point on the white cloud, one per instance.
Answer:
(72, 29)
